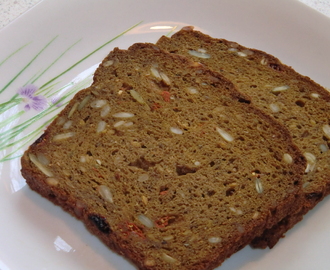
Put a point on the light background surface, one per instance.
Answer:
(11, 9)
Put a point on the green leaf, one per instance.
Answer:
(87, 56)
(27, 65)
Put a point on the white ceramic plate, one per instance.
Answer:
(57, 45)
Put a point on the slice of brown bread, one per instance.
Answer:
(166, 162)
(296, 101)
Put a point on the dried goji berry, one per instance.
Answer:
(155, 106)
(129, 228)
(135, 229)
(166, 96)
(163, 192)
(164, 221)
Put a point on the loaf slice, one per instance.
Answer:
(166, 162)
(294, 100)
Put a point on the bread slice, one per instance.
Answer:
(294, 100)
(166, 162)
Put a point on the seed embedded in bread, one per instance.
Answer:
(105, 110)
(83, 103)
(73, 109)
(259, 186)
(105, 193)
(326, 130)
(176, 130)
(137, 96)
(224, 134)
(99, 103)
(275, 107)
(63, 136)
(280, 88)
(200, 53)
(101, 126)
(287, 158)
(52, 181)
(43, 168)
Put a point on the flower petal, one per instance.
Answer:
(39, 103)
(27, 90)
(27, 107)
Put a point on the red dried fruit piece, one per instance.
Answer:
(123, 230)
(135, 229)
(155, 106)
(166, 96)
(164, 221)
(163, 192)
(128, 228)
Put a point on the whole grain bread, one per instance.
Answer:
(296, 101)
(166, 162)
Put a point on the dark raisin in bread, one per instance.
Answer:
(294, 100)
(166, 162)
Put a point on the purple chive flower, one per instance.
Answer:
(37, 103)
